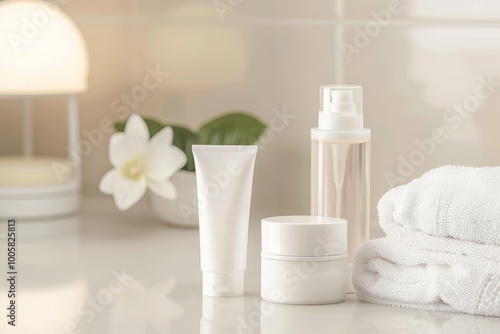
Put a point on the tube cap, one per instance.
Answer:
(223, 284)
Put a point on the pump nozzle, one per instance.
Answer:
(342, 96)
(342, 99)
(341, 108)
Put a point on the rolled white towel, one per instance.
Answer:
(450, 201)
(389, 272)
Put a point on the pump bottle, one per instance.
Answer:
(340, 163)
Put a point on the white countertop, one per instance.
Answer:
(67, 283)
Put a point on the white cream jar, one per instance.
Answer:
(304, 260)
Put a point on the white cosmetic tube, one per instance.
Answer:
(224, 175)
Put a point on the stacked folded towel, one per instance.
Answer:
(442, 246)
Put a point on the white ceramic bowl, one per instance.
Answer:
(183, 211)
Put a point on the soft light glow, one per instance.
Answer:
(65, 300)
(41, 52)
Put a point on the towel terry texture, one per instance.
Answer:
(442, 246)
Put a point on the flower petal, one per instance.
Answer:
(124, 147)
(163, 163)
(165, 136)
(137, 127)
(128, 192)
(162, 158)
(107, 184)
(165, 189)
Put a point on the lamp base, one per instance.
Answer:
(32, 188)
(42, 201)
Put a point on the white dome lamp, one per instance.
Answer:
(42, 53)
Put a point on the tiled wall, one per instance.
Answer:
(417, 60)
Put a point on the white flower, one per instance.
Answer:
(139, 163)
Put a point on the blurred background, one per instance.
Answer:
(425, 65)
(431, 80)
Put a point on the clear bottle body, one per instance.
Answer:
(340, 185)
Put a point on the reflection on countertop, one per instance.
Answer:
(369, 318)
(111, 272)
(223, 315)
(50, 285)
(137, 308)
(228, 316)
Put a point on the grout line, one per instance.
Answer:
(429, 23)
(334, 22)
(338, 39)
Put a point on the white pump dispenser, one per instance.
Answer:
(340, 110)
(340, 165)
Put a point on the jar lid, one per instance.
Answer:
(304, 236)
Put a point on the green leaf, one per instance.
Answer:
(153, 126)
(120, 126)
(236, 128)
